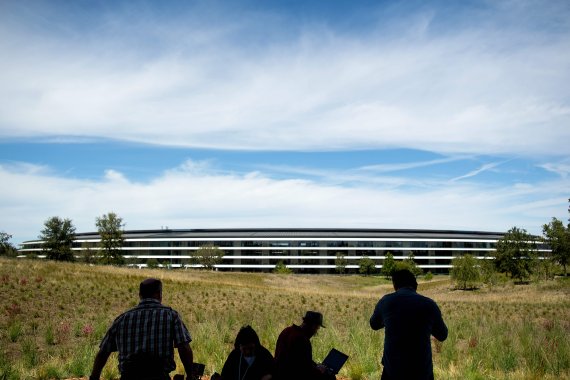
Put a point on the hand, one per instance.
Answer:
(322, 368)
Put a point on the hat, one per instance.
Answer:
(313, 317)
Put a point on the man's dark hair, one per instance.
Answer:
(403, 278)
(150, 287)
(246, 335)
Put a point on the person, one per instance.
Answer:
(294, 352)
(409, 319)
(144, 337)
(249, 360)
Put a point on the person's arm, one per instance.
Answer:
(439, 329)
(186, 357)
(376, 321)
(98, 364)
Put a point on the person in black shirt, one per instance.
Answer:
(294, 352)
(409, 320)
(249, 360)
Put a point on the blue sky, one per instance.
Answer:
(416, 114)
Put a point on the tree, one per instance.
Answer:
(465, 272)
(152, 263)
(409, 264)
(366, 266)
(488, 271)
(209, 256)
(515, 254)
(6, 248)
(340, 263)
(388, 266)
(110, 228)
(57, 237)
(557, 236)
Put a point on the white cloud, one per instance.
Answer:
(188, 199)
(492, 90)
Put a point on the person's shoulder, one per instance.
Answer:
(426, 300)
(388, 297)
(264, 352)
(289, 329)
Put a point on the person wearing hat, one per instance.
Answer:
(294, 352)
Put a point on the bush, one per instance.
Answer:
(281, 268)
(152, 263)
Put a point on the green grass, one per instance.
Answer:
(53, 316)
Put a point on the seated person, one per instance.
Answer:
(294, 352)
(249, 360)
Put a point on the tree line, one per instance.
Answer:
(518, 257)
(516, 254)
(58, 234)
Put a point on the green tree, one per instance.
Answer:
(281, 268)
(6, 248)
(340, 263)
(515, 254)
(388, 265)
(465, 272)
(557, 236)
(57, 237)
(409, 264)
(152, 263)
(208, 256)
(366, 266)
(488, 270)
(110, 228)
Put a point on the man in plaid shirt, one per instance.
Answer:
(145, 337)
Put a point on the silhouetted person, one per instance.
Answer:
(294, 353)
(409, 320)
(249, 360)
(145, 337)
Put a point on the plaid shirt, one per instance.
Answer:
(150, 328)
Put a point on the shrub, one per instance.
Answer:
(152, 263)
(281, 268)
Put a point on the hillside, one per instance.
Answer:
(53, 316)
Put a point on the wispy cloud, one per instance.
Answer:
(473, 173)
(561, 168)
(383, 168)
(481, 85)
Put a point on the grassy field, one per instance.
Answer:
(53, 315)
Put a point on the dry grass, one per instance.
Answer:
(53, 316)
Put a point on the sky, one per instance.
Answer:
(253, 114)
